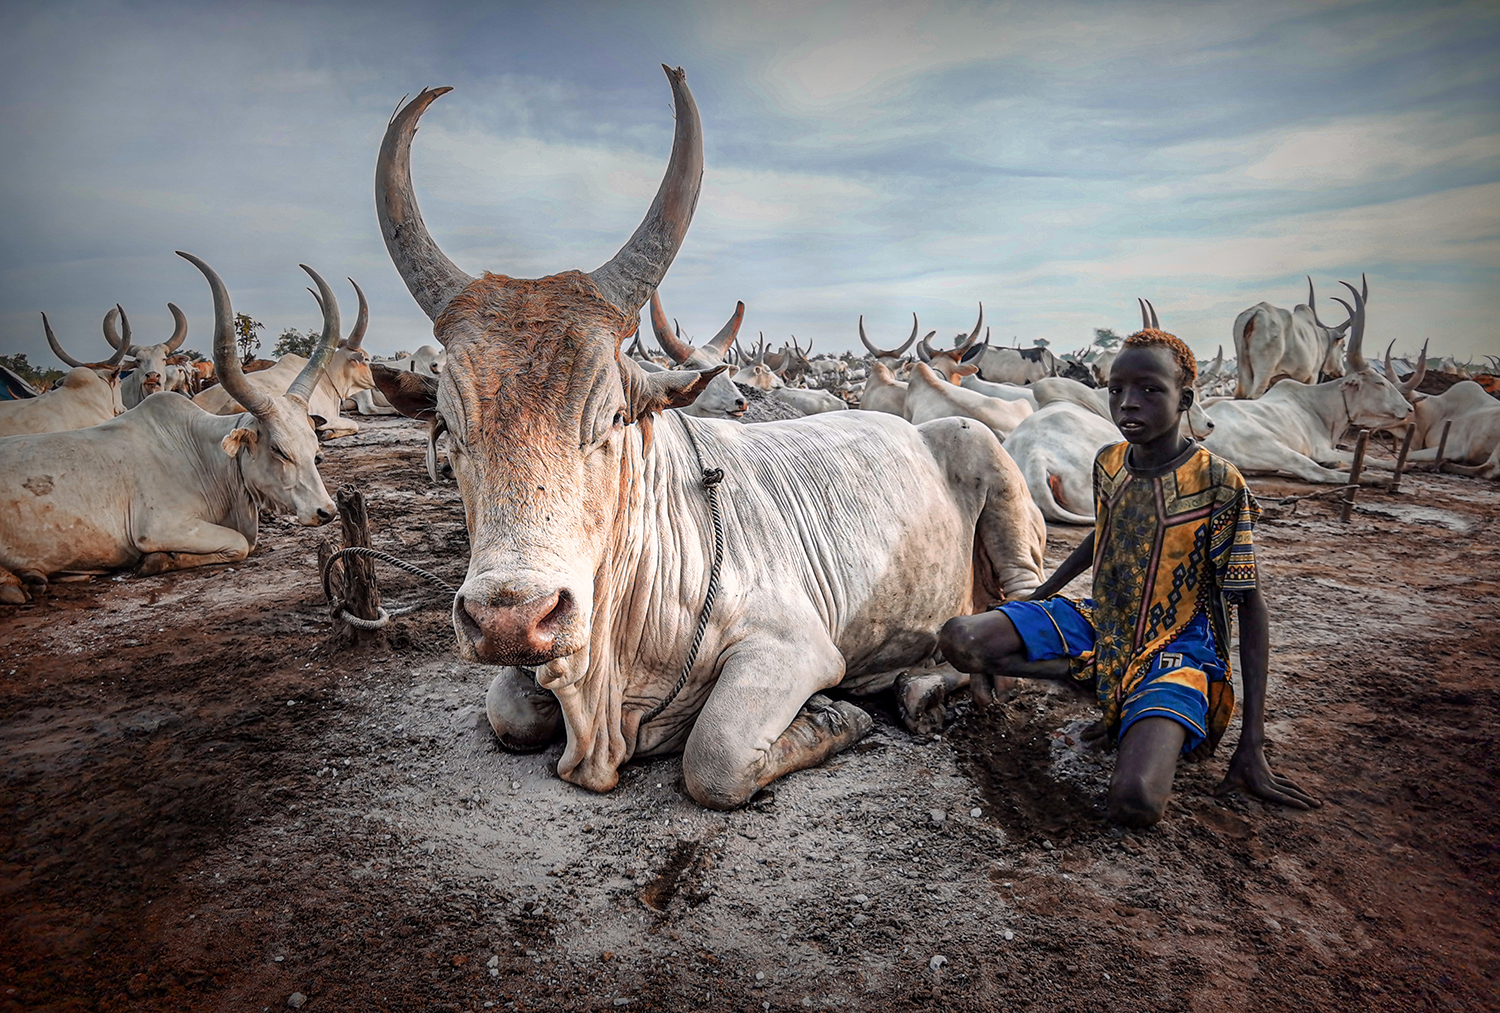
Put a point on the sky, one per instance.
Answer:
(862, 158)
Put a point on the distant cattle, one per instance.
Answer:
(164, 486)
(1293, 428)
(152, 372)
(1272, 344)
(347, 371)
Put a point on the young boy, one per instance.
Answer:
(1171, 550)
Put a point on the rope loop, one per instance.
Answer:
(712, 477)
(383, 615)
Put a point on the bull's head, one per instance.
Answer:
(108, 370)
(156, 373)
(349, 366)
(891, 357)
(539, 402)
(277, 450)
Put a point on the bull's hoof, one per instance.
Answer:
(525, 717)
(922, 699)
(12, 594)
(843, 722)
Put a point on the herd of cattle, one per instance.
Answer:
(857, 503)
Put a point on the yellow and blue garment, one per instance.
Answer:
(1172, 550)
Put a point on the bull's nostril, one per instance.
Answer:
(559, 612)
(325, 515)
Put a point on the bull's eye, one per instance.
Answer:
(281, 453)
(619, 419)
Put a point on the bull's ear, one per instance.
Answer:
(653, 392)
(238, 440)
(966, 370)
(412, 394)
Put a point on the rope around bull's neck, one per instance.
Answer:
(711, 478)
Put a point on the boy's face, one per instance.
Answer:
(1146, 398)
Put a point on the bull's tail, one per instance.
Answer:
(1046, 491)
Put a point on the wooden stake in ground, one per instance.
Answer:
(1359, 465)
(1442, 445)
(1411, 430)
(352, 581)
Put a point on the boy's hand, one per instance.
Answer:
(1249, 772)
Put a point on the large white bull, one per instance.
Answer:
(347, 371)
(883, 392)
(1272, 344)
(166, 486)
(845, 540)
(1292, 429)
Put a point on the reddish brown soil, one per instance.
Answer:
(206, 809)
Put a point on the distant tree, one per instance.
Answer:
(1105, 337)
(194, 355)
(294, 342)
(41, 379)
(1040, 342)
(245, 336)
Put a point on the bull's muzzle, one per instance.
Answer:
(509, 631)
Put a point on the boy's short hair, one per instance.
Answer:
(1187, 366)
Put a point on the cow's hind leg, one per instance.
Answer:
(526, 718)
(755, 726)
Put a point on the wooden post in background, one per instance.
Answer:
(1411, 429)
(1359, 465)
(1442, 446)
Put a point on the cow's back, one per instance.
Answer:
(850, 516)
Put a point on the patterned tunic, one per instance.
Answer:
(1168, 547)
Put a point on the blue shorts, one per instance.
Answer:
(1174, 685)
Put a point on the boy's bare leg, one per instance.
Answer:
(1144, 770)
(988, 647)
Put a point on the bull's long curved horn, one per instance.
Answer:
(719, 343)
(631, 274)
(179, 328)
(111, 324)
(1217, 364)
(302, 387)
(361, 320)
(977, 349)
(316, 298)
(1354, 351)
(973, 336)
(430, 276)
(924, 350)
(669, 342)
(226, 357)
(57, 349)
(1145, 320)
(130, 346)
(1155, 323)
(1416, 378)
(894, 354)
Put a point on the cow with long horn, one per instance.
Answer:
(1272, 344)
(88, 395)
(165, 486)
(831, 548)
(892, 357)
(954, 355)
(1293, 429)
(720, 399)
(152, 371)
(346, 372)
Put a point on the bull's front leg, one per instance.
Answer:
(194, 543)
(765, 719)
(922, 696)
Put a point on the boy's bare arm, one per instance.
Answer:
(1081, 559)
(1248, 769)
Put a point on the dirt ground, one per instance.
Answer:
(204, 808)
